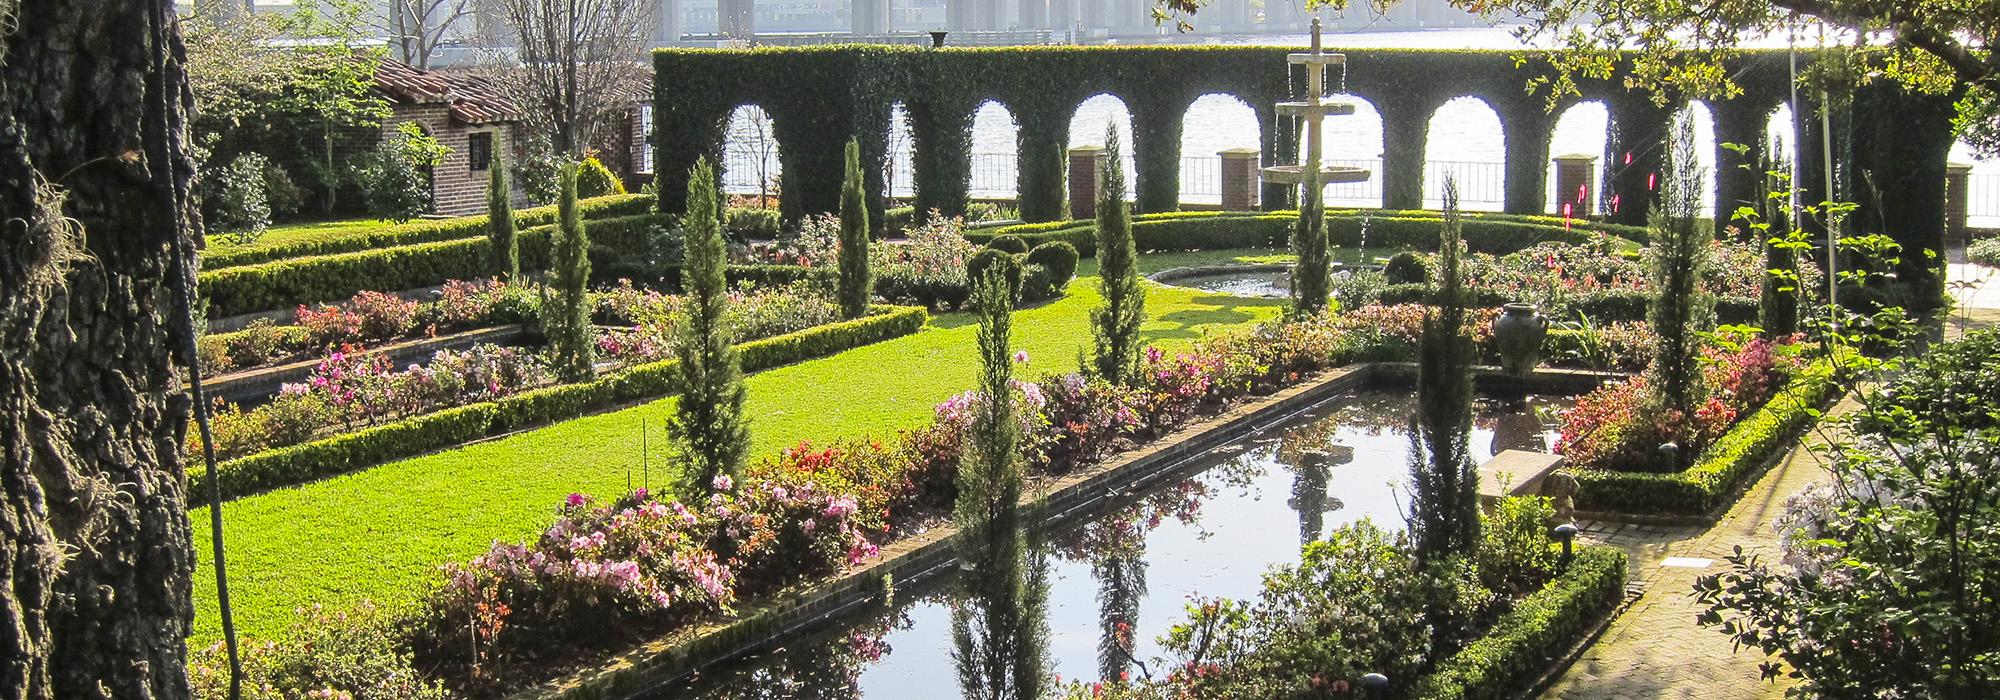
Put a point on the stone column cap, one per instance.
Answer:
(1575, 156)
(1958, 167)
(1240, 153)
(1085, 150)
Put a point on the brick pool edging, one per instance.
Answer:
(916, 558)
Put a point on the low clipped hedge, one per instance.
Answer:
(282, 284)
(296, 464)
(416, 232)
(1603, 305)
(1525, 641)
(1743, 451)
(1497, 234)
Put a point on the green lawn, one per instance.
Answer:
(290, 233)
(380, 534)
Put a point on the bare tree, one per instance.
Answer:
(576, 64)
(418, 27)
(750, 129)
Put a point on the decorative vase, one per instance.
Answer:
(1518, 334)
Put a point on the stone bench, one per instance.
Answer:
(1516, 473)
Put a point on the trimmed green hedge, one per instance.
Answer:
(1604, 305)
(1497, 234)
(282, 284)
(1744, 450)
(287, 466)
(1526, 640)
(416, 232)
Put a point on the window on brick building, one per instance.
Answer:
(479, 150)
(646, 130)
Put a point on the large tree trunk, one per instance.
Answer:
(94, 545)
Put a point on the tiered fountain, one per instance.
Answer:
(1311, 174)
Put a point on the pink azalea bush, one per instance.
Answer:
(750, 315)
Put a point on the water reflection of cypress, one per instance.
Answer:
(999, 627)
(1121, 584)
(1311, 455)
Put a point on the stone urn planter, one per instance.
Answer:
(1518, 334)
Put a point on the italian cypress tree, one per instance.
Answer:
(500, 229)
(1117, 321)
(566, 318)
(1679, 256)
(1778, 309)
(853, 289)
(708, 426)
(989, 481)
(1312, 276)
(1444, 498)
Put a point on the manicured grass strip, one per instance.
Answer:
(1748, 446)
(1526, 640)
(287, 466)
(380, 534)
(330, 237)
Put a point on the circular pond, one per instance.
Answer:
(1262, 281)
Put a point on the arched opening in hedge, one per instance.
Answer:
(1086, 128)
(750, 153)
(1581, 129)
(1467, 143)
(994, 148)
(899, 170)
(1696, 117)
(1353, 140)
(1213, 123)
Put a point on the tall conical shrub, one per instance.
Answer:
(1680, 309)
(1778, 310)
(500, 229)
(709, 430)
(1444, 484)
(566, 318)
(853, 290)
(1312, 275)
(1117, 321)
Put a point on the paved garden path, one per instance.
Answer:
(1655, 650)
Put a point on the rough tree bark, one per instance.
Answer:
(94, 540)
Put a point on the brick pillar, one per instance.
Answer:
(1239, 179)
(1576, 184)
(1084, 162)
(1957, 177)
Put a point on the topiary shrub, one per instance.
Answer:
(1406, 267)
(1059, 258)
(1009, 243)
(991, 258)
(595, 180)
(746, 223)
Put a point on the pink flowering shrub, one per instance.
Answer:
(597, 568)
(330, 325)
(465, 304)
(795, 525)
(368, 316)
(1088, 419)
(749, 315)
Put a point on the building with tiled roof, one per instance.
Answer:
(468, 115)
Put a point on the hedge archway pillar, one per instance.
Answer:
(1899, 179)
(1739, 176)
(871, 122)
(1042, 141)
(1156, 150)
(1638, 148)
(1809, 152)
(1528, 132)
(941, 137)
(812, 159)
(1405, 134)
(702, 132)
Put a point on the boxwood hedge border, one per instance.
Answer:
(349, 452)
(414, 232)
(1528, 640)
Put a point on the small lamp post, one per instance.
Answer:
(937, 39)
(1567, 533)
(1672, 451)
(1377, 686)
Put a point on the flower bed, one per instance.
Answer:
(368, 317)
(366, 447)
(1746, 447)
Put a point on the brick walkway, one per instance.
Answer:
(1655, 650)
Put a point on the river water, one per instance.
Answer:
(1465, 137)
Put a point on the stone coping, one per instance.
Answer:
(916, 558)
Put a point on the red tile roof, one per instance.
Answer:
(472, 99)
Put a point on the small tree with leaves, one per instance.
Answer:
(566, 318)
(500, 224)
(708, 427)
(1117, 322)
(854, 283)
(1680, 308)
(395, 178)
(1444, 498)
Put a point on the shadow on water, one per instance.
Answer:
(1089, 599)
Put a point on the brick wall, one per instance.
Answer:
(456, 189)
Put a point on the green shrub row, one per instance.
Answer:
(1526, 640)
(281, 284)
(349, 452)
(1746, 448)
(1602, 306)
(1494, 234)
(415, 232)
